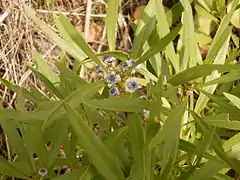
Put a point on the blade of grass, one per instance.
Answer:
(163, 30)
(34, 95)
(63, 44)
(136, 140)
(219, 59)
(47, 82)
(8, 169)
(233, 111)
(221, 34)
(208, 170)
(234, 99)
(157, 45)
(189, 40)
(44, 68)
(79, 40)
(174, 13)
(77, 173)
(216, 144)
(101, 158)
(230, 77)
(170, 136)
(12, 129)
(144, 29)
(111, 22)
(125, 104)
(203, 71)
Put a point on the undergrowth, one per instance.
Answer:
(165, 110)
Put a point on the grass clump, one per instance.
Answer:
(162, 111)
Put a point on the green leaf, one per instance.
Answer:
(44, 68)
(235, 20)
(216, 144)
(221, 35)
(34, 95)
(219, 59)
(115, 141)
(70, 81)
(47, 82)
(232, 110)
(35, 118)
(144, 29)
(100, 157)
(205, 13)
(219, 176)
(34, 142)
(169, 135)
(234, 99)
(11, 128)
(77, 173)
(163, 30)
(230, 77)
(192, 149)
(152, 126)
(55, 135)
(111, 22)
(234, 125)
(230, 143)
(136, 141)
(156, 45)
(63, 44)
(174, 13)
(203, 70)
(203, 146)
(79, 40)
(75, 98)
(191, 49)
(7, 168)
(208, 170)
(125, 104)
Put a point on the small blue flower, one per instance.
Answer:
(99, 69)
(112, 78)
(114, 91)
(130, 62)
(124, 67)
(109, 59)
(42, 172)
(131, 85)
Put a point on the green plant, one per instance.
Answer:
(185, 127)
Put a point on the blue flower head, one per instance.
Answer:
(131, 85)
(130, 62)
(99, 69)
(124, 67)
(109, 59)
(112, 78)
(114, 91)
(42, 172)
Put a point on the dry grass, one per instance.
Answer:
(19, 36)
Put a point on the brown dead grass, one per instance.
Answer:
(19, 36)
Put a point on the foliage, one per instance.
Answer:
(186, 125)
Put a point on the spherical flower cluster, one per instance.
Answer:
(112, 78)
(115, 76)
(114, 91)
(109, 59)
(99, 69)
(131, 85)
(42, 172)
